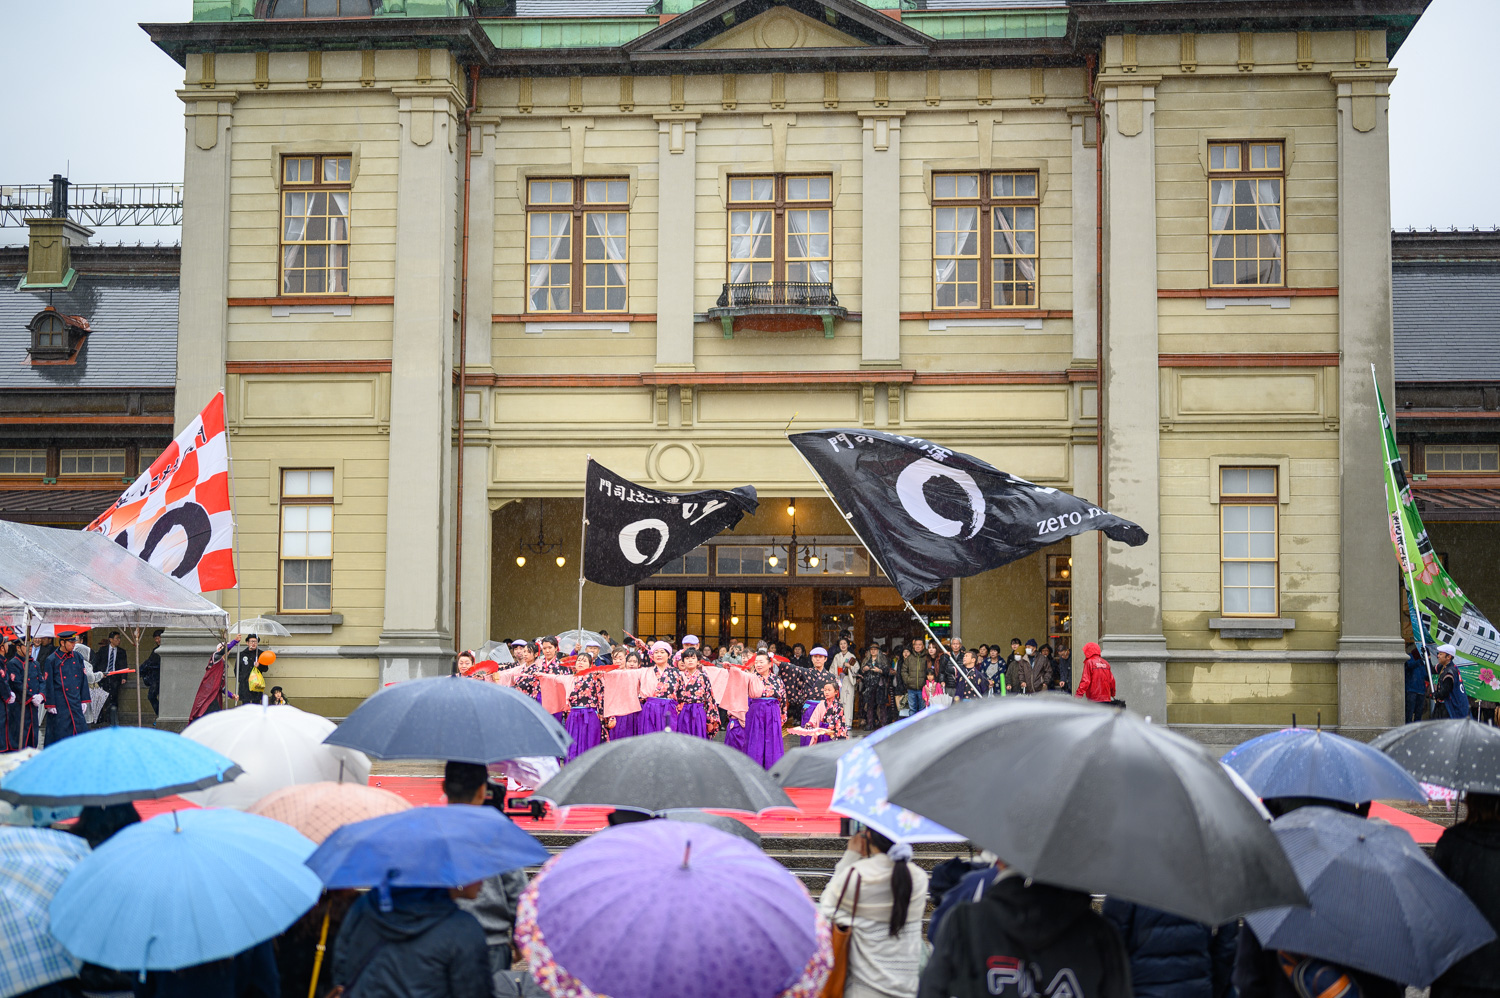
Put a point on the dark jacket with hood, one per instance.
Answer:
(1021, 940)
(1173, 957)
(424, 947)
(1470, 855)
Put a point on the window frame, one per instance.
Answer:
(1427, 451)
(11, 453)
(1245, 172)
(316, 185)
(986, 201)
(578, 235)
(93, 453)
(1248, 499)
(302, 501)
(270, 10)
(779, 205)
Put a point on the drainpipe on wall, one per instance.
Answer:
(463, 372)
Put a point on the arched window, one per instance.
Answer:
(49, 332)
(322, 8)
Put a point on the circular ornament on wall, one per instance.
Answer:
(674, 463)
(780, 31)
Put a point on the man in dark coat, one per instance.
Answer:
(150, 674)
(1469, 854)
(1026, 938)
(65, 689)
(1173, 957)
(1416, 684)
(425, 946)
(10, 695)
(25, 680)
(495, 905)
(246, 661)
(107, 659)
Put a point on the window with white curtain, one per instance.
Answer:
(568, 274)
(306, 561)
(781, 229)
(1248, 539)
(315, 224)
(1246, 225)
(984, 240)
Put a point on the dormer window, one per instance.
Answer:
(322, 8)
(55, 337)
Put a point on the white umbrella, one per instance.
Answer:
(263, 626)
(276, 746)
(495, 651)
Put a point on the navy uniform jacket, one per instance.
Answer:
(17, 672)
(67, 689)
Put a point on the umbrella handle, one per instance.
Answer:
(312, 986)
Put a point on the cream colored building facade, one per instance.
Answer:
(1224, 400)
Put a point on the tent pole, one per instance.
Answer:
(26, 703)
(139, 690)
(849, 521)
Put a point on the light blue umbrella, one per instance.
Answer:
(1301, 762)
(859, 792)
(114, 766)
(185, 888)
(425, 847)
(33, 864)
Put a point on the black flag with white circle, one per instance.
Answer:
(633, 531)
(929, 514)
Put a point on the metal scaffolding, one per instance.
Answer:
(92, 204)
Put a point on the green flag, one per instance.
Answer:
(1443, 612)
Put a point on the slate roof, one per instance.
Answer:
(132, 315)
(1447, 320)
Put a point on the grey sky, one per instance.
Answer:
(90, 96)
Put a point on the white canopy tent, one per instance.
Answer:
(83, 579)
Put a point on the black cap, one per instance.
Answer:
(67, 635)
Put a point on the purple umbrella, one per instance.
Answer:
(662, 908)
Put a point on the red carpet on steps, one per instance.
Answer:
(811, 818)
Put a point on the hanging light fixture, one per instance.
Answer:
(734, 621)
(561, 561)
(542, 547)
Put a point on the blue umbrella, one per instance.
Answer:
(113, 766)
(33, 864)
(859, 791)
(1377, 903)
(424, 847)
(1300, 762)
(453, 718)
(185, 888)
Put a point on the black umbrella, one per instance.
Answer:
(1090, 797)
(664, 772)
(1456, 753)
(722, 822)
(1378, 904)
(812, 765)
(452, 718)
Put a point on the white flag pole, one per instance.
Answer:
(582, 538)
(871, 551)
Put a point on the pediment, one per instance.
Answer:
(782, 27)
(778, 24)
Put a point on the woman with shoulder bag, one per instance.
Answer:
(876, 896)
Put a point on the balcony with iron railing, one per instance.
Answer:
(777, 299)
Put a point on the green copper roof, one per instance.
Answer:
(990, 24)
(565, 32)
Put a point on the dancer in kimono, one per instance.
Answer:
(585, 708)
(625, 725)
(831, 718)
(658, 711)
(690, 690)
(812, 682)
(767, 714)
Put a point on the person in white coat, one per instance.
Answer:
(885, 946)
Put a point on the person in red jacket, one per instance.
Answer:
(1098, 682)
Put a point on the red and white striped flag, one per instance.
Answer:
(176, 516)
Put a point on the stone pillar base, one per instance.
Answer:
(1139, 662)
(1372, 685)
(414, 655)
(184, 655)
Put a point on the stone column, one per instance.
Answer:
(1130, 402)
(474, 628)
(202, 337)
(415, 639)
(1085, 238)
(1370, 652)
(1084, 577)
(677, 173)
(880, 225)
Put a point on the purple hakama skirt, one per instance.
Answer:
(692, 719)
(625, 725)
(657, 714)
(734, 736)
(807, 713)
(763, 740)
(583, 724)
